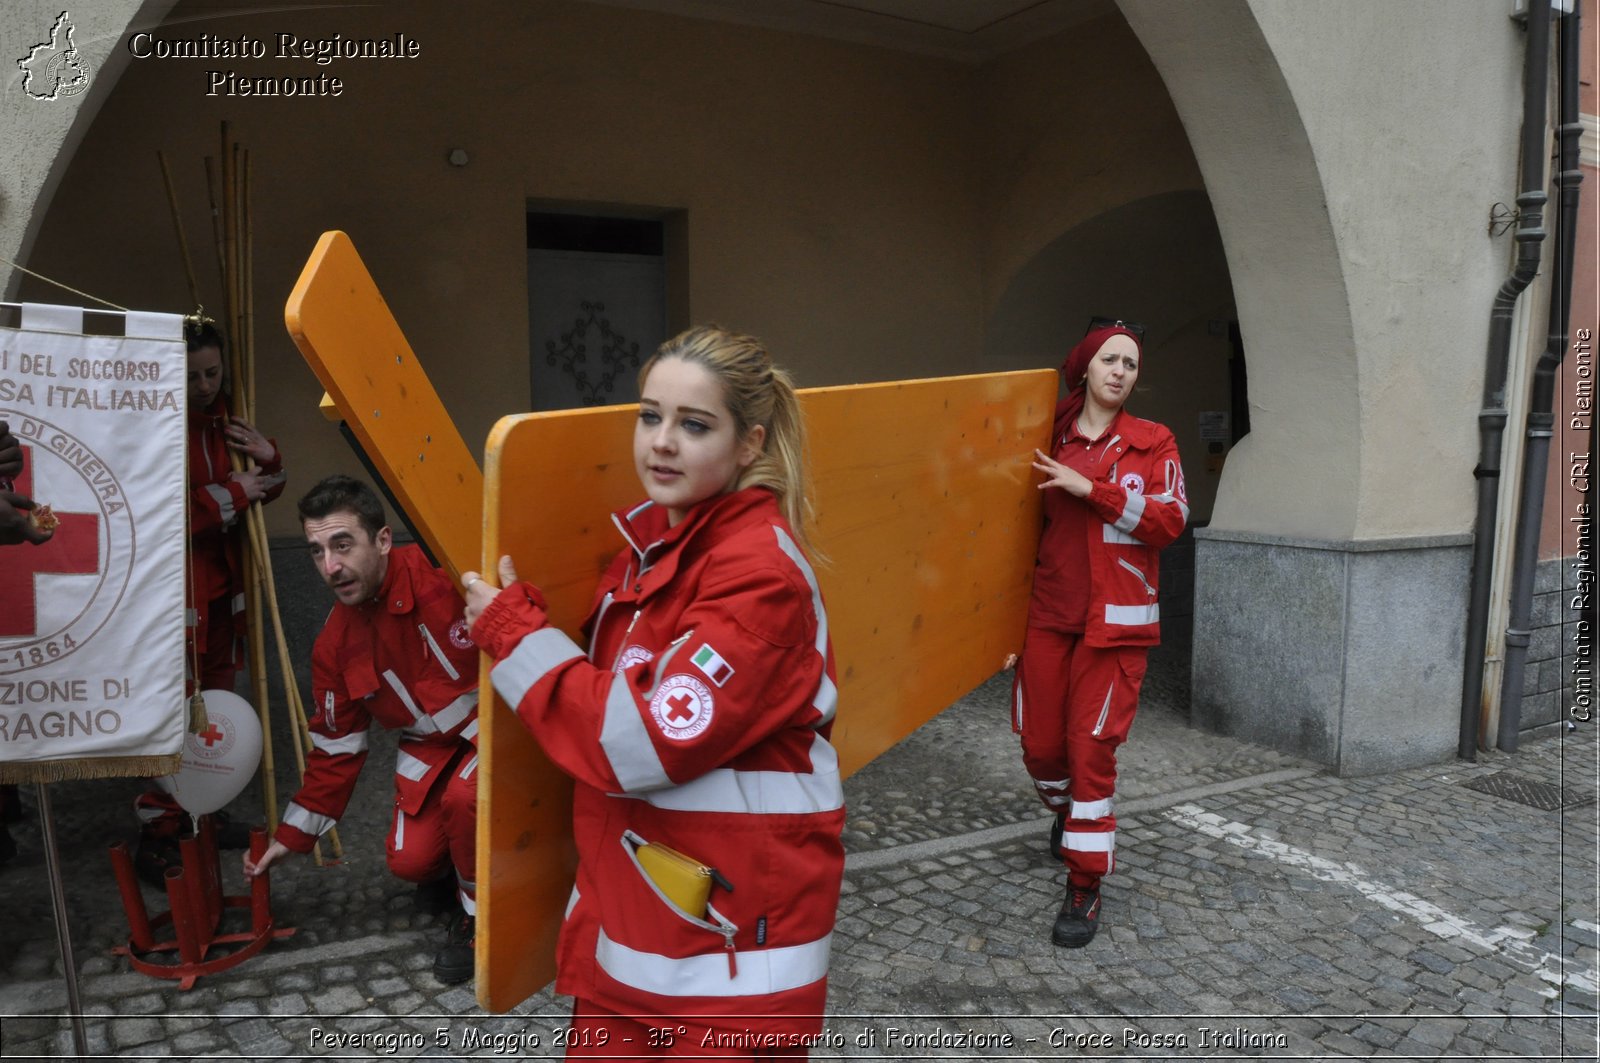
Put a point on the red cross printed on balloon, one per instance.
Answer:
(73, 550)
(210, 736)
(678, 708)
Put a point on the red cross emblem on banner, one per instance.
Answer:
(74, 549)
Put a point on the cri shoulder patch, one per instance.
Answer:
(458, 635)
(1134, 483)
(682, 707)
(631, 656)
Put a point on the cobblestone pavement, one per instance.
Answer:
(1261, 908)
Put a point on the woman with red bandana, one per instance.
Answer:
(1113, 497)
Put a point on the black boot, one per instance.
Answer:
(1079, 918)
(454, 962)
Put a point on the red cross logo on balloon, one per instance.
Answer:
(59, 594)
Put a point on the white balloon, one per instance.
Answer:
(218, 762)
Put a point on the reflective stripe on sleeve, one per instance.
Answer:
(626, 743)
(470, 731)
(224, 500)
(759, 971)
(350, 743)
(307, 821)
(760, 792)
(470, 767)
(535, 656)
(1133, 615)
(1102, 841)
(1132, 510)
(408, 767)
(827, 696)
(1175, 500)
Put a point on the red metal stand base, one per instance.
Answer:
(198, 905)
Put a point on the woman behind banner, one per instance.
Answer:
(696, 726)
(1113, 497)
(214, 581)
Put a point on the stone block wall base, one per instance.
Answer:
(1347, 654)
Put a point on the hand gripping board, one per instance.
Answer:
(928, 512)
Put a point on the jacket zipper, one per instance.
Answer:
(427, 637)
(721, 926)
(1151, 591)
(624, 643)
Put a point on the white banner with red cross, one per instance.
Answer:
(92, 621)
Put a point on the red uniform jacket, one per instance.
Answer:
(698, 719)
(216, 504)
(1141, 506)
(403, 659)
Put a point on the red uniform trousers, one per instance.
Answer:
(443, 834)
(1073, 704)
(218, 657)
(597, 1032)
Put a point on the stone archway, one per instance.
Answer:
(51, 129)
(1330, 588)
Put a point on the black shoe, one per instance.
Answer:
(454, 962)
(1079, 918)
(436, 897)
(1057, 825)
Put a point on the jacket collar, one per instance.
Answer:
(655, 545)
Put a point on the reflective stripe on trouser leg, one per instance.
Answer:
(467, 890)
(1105, 696)
(1091, 853)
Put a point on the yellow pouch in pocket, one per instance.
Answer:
(685, 880)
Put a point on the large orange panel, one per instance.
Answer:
(345, 331)
(928, 515)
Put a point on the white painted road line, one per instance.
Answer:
(1509, 943)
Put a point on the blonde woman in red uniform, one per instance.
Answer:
(697, 719)
(1113, 497)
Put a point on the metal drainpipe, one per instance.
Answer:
(1492, 417)
(1541, 405)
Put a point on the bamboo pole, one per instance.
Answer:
(248, 307)
(177, 224)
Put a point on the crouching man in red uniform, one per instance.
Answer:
(394, 649)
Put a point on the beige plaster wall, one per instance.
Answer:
(1352, 152)
(830, 189)
(1414, 140)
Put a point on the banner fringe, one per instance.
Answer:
(47, 771)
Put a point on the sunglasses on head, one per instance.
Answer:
(1115, 322)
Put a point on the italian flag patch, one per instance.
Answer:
(711, 663)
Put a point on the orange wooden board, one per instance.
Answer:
(351, 341)
(929, 515)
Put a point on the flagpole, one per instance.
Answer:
(58, 900)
